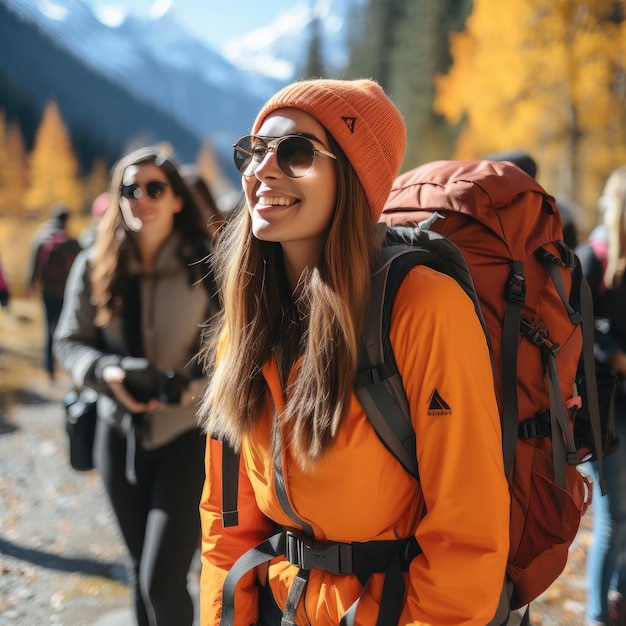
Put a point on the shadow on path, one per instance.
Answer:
(113, 571)
(6, 428)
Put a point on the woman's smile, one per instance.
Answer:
(271, 201)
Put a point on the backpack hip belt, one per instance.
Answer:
(391, 557)
(348, 558)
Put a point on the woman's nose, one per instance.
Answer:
(269, 165)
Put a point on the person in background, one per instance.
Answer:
(525, 162)
(5, 294)
(603, 261)
(214, 217)
(294, 267)
(130, 329)
(522, 159)
(52, 255)
(99, 205)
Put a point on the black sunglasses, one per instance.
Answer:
(295, 154)
(154, 189)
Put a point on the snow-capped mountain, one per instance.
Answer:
(213, 95)
(279, 49)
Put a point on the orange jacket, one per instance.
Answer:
(359, 492)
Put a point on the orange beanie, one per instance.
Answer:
(361, 119)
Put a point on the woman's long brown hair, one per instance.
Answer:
(260, 316)
(614, 201)
(113, 238)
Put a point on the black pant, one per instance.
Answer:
(269, 612)
(158, 517)
(52, 308)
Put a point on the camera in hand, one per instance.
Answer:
(144, 382)
(171, 386)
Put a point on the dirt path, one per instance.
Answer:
(61, 559)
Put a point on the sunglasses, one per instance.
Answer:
(154, 189)
(295, 154)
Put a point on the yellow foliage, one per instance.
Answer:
(16, 171)
(53, 166)
(544, 76)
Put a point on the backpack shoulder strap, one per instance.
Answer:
(230, 486)
(583, 300)
(378, 383)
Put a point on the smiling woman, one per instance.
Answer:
(319, 537)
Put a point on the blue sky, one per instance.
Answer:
(215, 21)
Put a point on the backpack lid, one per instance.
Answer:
(487, 191)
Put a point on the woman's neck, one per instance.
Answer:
(299, 258)
(148, 249)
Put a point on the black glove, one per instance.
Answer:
(142, 379)
(4, 298)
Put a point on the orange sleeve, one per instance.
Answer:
(221, 547)
(464, 534)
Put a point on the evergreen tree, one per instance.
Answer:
(403, 44)
(373, 40)
(420, 53)
(314, 67)
(53, 166)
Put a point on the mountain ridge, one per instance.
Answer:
(159, 79)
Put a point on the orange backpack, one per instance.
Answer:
(534, 303)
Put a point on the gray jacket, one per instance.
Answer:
(174, 308)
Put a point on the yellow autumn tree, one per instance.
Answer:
(53, 166)
(546, 76)
(16, 170)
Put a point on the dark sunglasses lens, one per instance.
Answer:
(155, 189)
(248, 154)
(295, 156)
(129, 191)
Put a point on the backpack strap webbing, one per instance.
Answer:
(378, 383)
(230, 486)
(515, 297)
(579, 307)
(581, 292)
(563, 452)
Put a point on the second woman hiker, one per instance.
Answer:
(340, 522)
(130, 326)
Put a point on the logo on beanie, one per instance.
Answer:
(349, 122)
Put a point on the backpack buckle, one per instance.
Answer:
(534, 428)
(539, 336)
(332, 556)
(516, 288)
